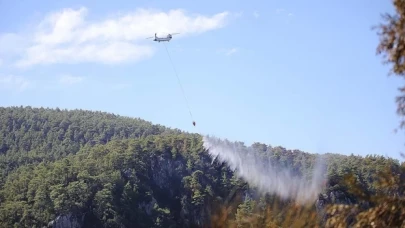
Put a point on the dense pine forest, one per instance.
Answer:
(80, 168)
(94, 169)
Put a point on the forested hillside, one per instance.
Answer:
(94, 169)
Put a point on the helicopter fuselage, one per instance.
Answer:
(162, 39)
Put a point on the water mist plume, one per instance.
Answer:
(259, 171)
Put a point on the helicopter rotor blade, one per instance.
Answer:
(174, 33)
(150, 37)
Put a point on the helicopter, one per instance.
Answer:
(161, 39)
(168, 38)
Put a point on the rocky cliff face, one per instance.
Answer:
(334, 197)
(66, 221)
(168, 175)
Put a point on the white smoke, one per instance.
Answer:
(259, 172)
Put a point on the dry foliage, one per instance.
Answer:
(386, 208)
(392, 47)
(388, 204)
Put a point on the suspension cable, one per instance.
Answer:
(181, 87)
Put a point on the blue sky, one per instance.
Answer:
(303, 75)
